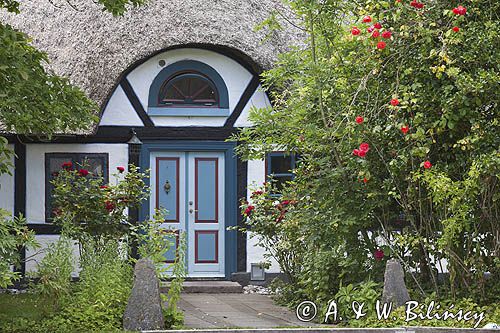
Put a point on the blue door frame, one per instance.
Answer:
(231, 200)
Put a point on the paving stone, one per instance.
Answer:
(227, 310)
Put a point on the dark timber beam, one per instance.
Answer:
(20, 192)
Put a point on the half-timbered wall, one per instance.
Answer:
(35, 171)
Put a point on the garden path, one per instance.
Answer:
(234, 310)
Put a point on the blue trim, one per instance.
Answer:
(202, 112)
(231, 203)
(180, 66)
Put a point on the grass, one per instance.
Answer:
(28, 306)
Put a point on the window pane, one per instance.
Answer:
(95, 165)
(188, 89)
(280, 164)
(55, 164)
(280, 182)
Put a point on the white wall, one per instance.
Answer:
(7, 188)
(119, 111)
(255, 253)
(259, 100)
(34, 256)
(35, 173)
(235, 76)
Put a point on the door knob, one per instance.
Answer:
(167, 186)
(191, 210)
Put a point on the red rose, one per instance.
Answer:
(394, 102)
(355, 152)
(381, 45)
(456, 29)
(364, 147)
(256, 193)
(375, 34)
(427, 164)
(355, 31)
(370, 29)
(460, 10)
(362, 153)
(285, 202)
(377, 25)
(249, 210)
(109, 206)
(67, 165)
(103, 187)
(378, 254)
(359, 119)
(83, 172)
(405, 129)
(386, 34)
(365, 180)
(120, 169)
(367, 19)
(417, 4)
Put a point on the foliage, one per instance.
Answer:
(96, 304)
(101, 295)
(492, 315)
(396, 119)
(367, 292)
(6, 155)
(60, 107)
(154, 242)
(88, 209)
(13, 234)
(267, 220)
(53, 275)
(173, 317)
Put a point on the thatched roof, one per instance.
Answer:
(93, 48)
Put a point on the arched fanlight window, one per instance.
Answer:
(188, 89)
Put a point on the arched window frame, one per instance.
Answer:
(188, 66)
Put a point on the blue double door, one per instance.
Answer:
(190, 187)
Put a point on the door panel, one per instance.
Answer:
(206, 190)
(206, 220)
(167, 185)
(190, 185)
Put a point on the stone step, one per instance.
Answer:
(207, 287)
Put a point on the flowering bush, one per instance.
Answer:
(88, 208)
(421, 171)
(267, 219)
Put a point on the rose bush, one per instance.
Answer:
(421, 173)
(87, 208)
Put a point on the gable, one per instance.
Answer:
(236, 85)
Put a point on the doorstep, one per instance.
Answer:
(206, 287)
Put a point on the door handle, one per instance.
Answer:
(191, 210)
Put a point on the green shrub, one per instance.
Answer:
(154, 243)
(53, 275)
(13, 235)
(101, 295)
